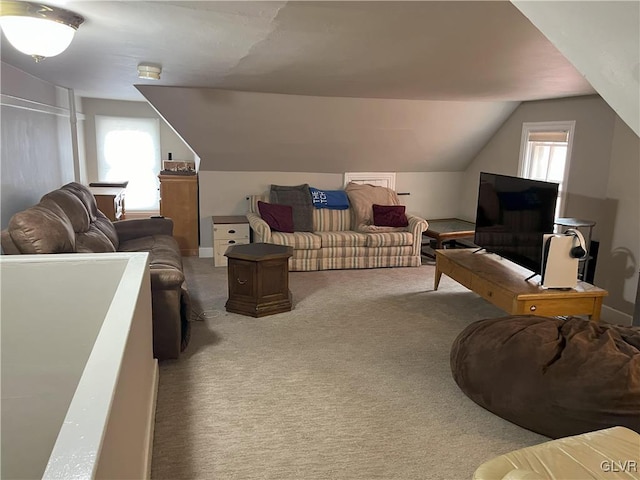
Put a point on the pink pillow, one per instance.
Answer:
(279, 217)
(389, 216)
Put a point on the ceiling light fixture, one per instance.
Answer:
(36, 29)
(149, 72)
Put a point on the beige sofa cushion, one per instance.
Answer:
(303, 240)
(389, 239)
(342, 239)
(362, 198)
(329, 220)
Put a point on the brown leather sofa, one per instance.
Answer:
(67, 220)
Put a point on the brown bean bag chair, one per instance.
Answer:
(554, 377)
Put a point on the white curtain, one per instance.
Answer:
(129, 149)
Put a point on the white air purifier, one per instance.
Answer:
(559, 267)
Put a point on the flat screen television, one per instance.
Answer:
(512, 216)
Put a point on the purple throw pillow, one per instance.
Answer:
(389, 216)
(279, 217)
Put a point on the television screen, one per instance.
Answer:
(513, 214)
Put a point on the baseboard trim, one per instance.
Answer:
(206, 252)
(611, 315)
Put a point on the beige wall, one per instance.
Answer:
(602, 185)
(619, 260)
(169, 140)
(589, 163)
(432, 195)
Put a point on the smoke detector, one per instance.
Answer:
(149, 72)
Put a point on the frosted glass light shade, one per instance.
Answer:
(36, 29)
(39, 37)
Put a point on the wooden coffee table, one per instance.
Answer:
(502, 283)
(258, 277)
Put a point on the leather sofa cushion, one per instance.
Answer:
(43, 228)
(73, 207)
(164, 251)
(66, 220)
(96, 217)
(93, 241)
(89, 237)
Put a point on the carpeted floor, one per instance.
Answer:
(354, 383)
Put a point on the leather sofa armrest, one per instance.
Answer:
(261, 229)
(164, 278)
(143, 227)
(416, 226)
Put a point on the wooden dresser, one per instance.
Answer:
(179, 202)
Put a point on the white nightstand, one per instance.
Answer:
(228, 230)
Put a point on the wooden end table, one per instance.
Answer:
(258, 278)
(445, 229)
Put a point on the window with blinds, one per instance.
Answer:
(544, 155)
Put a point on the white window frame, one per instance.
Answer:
(568, 126)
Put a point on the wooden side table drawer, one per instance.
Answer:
(549, 307)
(500, 297)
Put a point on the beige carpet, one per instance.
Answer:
(354, 383)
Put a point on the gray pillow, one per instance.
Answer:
(299, 198)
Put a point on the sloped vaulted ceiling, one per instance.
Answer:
(243, 131)
(397, 85)
(338, 86)
(602, 40)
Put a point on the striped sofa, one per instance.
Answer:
(334, 245)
